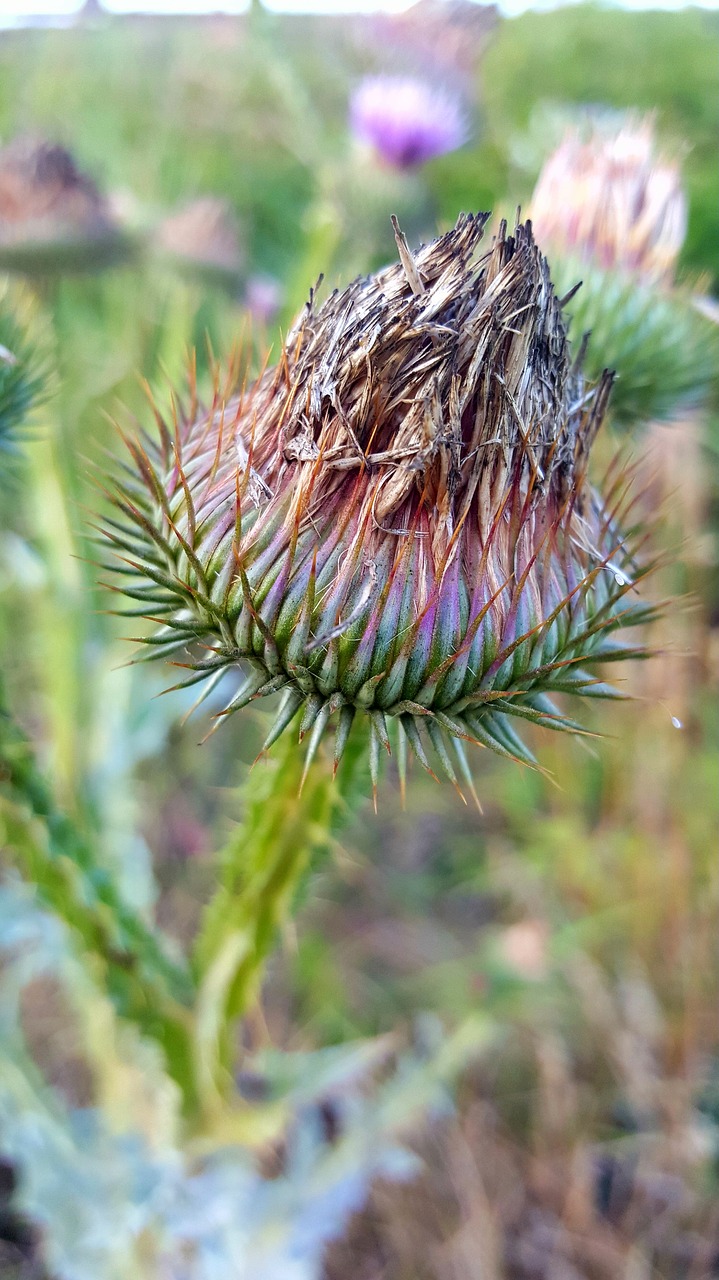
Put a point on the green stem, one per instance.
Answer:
(128, 959)
(262, 867)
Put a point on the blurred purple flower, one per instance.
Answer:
(406, 121)
(263, 298)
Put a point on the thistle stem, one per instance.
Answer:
(262, 866)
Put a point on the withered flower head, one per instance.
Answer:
(434, 34)
(612, 200)
(52, 215)
(396, 520)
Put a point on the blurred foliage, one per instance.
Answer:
(108, 1200)
(583, 56)
(580, 915)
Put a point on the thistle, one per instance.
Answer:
(611, 211)
(613, 201)
(23, 375)
(263, 298)
(406, 121)
(435, 35)
(52, 216)
(395, 522)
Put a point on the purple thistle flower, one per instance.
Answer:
(263, 298)
(406, 121)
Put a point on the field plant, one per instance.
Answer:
(279, 1006)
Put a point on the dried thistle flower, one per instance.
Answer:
(614, 201)
(611, 211)
(52, 216)
(406, 121)
(395, 520)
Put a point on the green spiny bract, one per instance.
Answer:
(665, 353)
(23, 374)
(394, 522)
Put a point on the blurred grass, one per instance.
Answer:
(583, 56)
(611, 874)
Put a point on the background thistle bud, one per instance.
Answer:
(23, 377)
(613, 201)
(395, 520)
(611, 211)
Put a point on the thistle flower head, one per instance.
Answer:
(406, 121)
(395, 521)
(446, 35)
(263, 298)
(611, 200)
(611, 212)
(52, 216)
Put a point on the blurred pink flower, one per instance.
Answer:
(203, 234)
(613, 200)
(406, 121)
(523, 946)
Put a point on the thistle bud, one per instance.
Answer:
(263, 298)
(395, 522)
(52, 216)
(613, 201)
(610, 211)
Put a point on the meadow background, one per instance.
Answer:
(578, 915)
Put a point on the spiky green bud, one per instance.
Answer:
(664, 351)
(23, 376)
(394, 522)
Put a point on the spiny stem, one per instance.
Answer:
(145, 985)
(261, 869)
